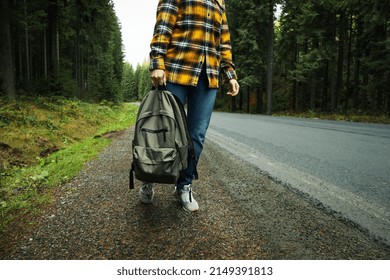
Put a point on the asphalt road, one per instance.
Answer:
(343, 165)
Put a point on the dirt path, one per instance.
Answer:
(243, 215)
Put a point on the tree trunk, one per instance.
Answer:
(357, 68)
(313, 76)
(57, 50)
(53, 39)
(44, 52)
(7, 85)
(365, 81)
(77, 48)
(294, 100)
(248, 101)
(313, 89)
(20, 61)
(305, 89)
(324, 100)
(294, 96)
(340, 61)
(332, 65)
(348, 78)
(233, 104)
(240, 101)
(27, 43)
(259, 100)
(269, 55)
(388, 104)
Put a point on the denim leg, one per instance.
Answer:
(200, 103)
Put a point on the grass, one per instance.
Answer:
(354, 117)
(46, 142)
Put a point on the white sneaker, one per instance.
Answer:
(146, 193)
(186, 198)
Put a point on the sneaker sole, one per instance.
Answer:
(189, 211)
(144, 202)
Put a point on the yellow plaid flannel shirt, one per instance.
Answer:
(187, 34)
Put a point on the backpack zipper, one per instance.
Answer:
(162, 130)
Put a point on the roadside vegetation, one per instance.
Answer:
(353, 117)
(45, 142)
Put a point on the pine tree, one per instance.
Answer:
(128, 83)
(7, 86)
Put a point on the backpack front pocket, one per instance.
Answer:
(156, 165)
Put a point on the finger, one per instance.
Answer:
(154, 81)
(161, 80)
(236, 88)
(233, 91)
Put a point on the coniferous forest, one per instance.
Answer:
(71, 48)
(312, 55)
(319, 55)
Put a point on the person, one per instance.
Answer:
(190, 49)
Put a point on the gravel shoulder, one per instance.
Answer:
(243, 214)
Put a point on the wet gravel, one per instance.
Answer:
(243, 214)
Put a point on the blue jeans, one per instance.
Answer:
(200, 103)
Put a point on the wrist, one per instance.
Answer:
(157, 64)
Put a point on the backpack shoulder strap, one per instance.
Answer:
(131, 177)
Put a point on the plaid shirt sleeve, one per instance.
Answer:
(187, 34)
(167, 11)
(227, 65)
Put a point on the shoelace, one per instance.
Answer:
(190, 194)
(189, 191)
(148, 190)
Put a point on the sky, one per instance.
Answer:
(137, 19)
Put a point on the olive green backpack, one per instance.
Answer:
(162, 146)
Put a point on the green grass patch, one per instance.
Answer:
(46, 142)
(380, 119)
